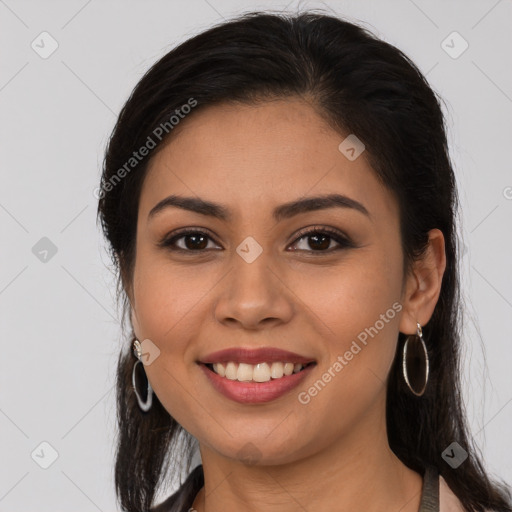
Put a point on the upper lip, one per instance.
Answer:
(254, 356)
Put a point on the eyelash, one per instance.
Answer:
(335, 235)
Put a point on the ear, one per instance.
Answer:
(133, 314)
(127, 284)
(423, 284)
(135, 323)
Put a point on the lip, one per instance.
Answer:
(255, 356)
(255, 392)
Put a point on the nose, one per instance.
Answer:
(254, 295)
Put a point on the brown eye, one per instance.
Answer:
(195, 241)
(189, 241)
(319, 240)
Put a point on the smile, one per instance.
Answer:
(261, 372)
(252, 391)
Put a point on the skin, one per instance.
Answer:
(329, 454)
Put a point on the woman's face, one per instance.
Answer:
(254, 279)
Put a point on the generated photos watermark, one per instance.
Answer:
(152, 140)
(343, 360)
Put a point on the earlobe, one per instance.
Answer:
(424, 284)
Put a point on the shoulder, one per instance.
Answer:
(448, 501)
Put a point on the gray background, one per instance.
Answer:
(59, 322)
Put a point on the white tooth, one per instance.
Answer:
(288, 368)
(277, 370)
(261, 373)
(220, 369)
(231, 371)
(244, 372)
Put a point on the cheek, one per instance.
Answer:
(167, 299)
(169, 311)
(356, 310)
(345, 299)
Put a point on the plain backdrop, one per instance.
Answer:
(59, 323)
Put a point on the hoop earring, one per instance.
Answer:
(415, 358)
(144, 405)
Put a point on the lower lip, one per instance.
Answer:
(255, 392)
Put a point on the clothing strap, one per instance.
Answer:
(430, 493)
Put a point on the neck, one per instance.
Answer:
(358, 472)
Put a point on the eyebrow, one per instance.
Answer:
(281, 212)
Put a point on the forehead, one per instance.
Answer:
(253, 157)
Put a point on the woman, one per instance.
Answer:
(278, 197)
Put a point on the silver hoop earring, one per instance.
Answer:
(415, 362)
(144, 405)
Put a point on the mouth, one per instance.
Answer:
(259, 383)
(262, 364)
(260, 372)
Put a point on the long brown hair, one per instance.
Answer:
(360, 85)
